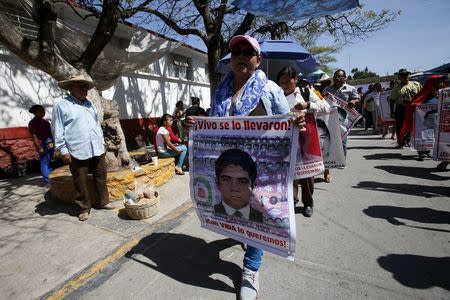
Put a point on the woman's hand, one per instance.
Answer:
(300, 120)
(189, 122)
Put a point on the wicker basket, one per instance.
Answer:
(146, 208)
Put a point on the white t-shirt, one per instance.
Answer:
(160, 145)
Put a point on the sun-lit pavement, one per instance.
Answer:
(380, 230)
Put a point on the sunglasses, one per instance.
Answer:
(244, 52)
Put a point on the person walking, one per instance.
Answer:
(79, 140)
(246, 91)
(41, 134)
(346, 92)
(400, 98)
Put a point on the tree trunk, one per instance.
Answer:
(117, 156)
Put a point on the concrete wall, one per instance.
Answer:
(142, 96)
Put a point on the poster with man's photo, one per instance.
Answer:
(309, 155)
(241, 179)
(385, 108)
(348, 117)
(330, 139)
(425, 118)
(442, 142)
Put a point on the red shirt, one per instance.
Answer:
(41, 128)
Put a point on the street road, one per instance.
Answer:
(380, 230)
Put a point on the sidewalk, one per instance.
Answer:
(43, 245)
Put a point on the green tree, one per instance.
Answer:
(359, 74)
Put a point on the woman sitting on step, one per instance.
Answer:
(165, 147)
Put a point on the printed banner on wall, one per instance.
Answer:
(442, 144)
(241, 179)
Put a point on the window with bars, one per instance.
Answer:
(180, 67)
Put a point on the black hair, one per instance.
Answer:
(321, 124)
(163, 119)
(195, 100)
(339, 70)
(236, 157)
(342, 112)
(430, 112)
(35, 108)
(178, 103)
(288, 71)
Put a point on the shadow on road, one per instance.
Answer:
(406, 189)
(188, 259)
(369, 147)
(416, 172)
(416, 214)
(388, 156)
(52, 207)
(421, 272)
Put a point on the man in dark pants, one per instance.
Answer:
(79, 139)
(235, 178)
(400, 97)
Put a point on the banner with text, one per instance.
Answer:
(442, 143)
(385, 108)
(330, 139)
(241, 179)
(425, 117)
(347, 116)
(309, 155)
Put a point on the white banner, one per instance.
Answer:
(442, 144)
(424, 124)
(241, 179)
(347, 117)
(330, 139)
(385, 108)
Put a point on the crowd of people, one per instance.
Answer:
(245, 91)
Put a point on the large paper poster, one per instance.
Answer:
(385, 108)
(424, 127)
(442, 144)
(347, 117)
(309, 155)
(330, 139)
(241, 179)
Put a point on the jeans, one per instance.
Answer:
(253, 258)
(45, 161)
(344, 146)
(171, 153)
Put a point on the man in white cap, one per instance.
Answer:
(79, 140)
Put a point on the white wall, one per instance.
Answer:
(138, 95)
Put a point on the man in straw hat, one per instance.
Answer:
(79, 139)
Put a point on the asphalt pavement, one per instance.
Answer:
(380, 230)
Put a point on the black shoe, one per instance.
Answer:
(421, 157)
(308, 211)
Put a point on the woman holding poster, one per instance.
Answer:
(246, 91)
(287, 79)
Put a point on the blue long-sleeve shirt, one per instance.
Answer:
(76, 128)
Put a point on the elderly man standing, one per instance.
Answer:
(79, 139)
(400, 97)
(346, 92)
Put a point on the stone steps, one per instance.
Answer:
(62, 189)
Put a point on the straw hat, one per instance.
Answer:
(80, 78)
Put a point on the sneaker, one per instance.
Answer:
(83, 216)
(179, 171)
(249, 284)
(308, 211)
(106, 206)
